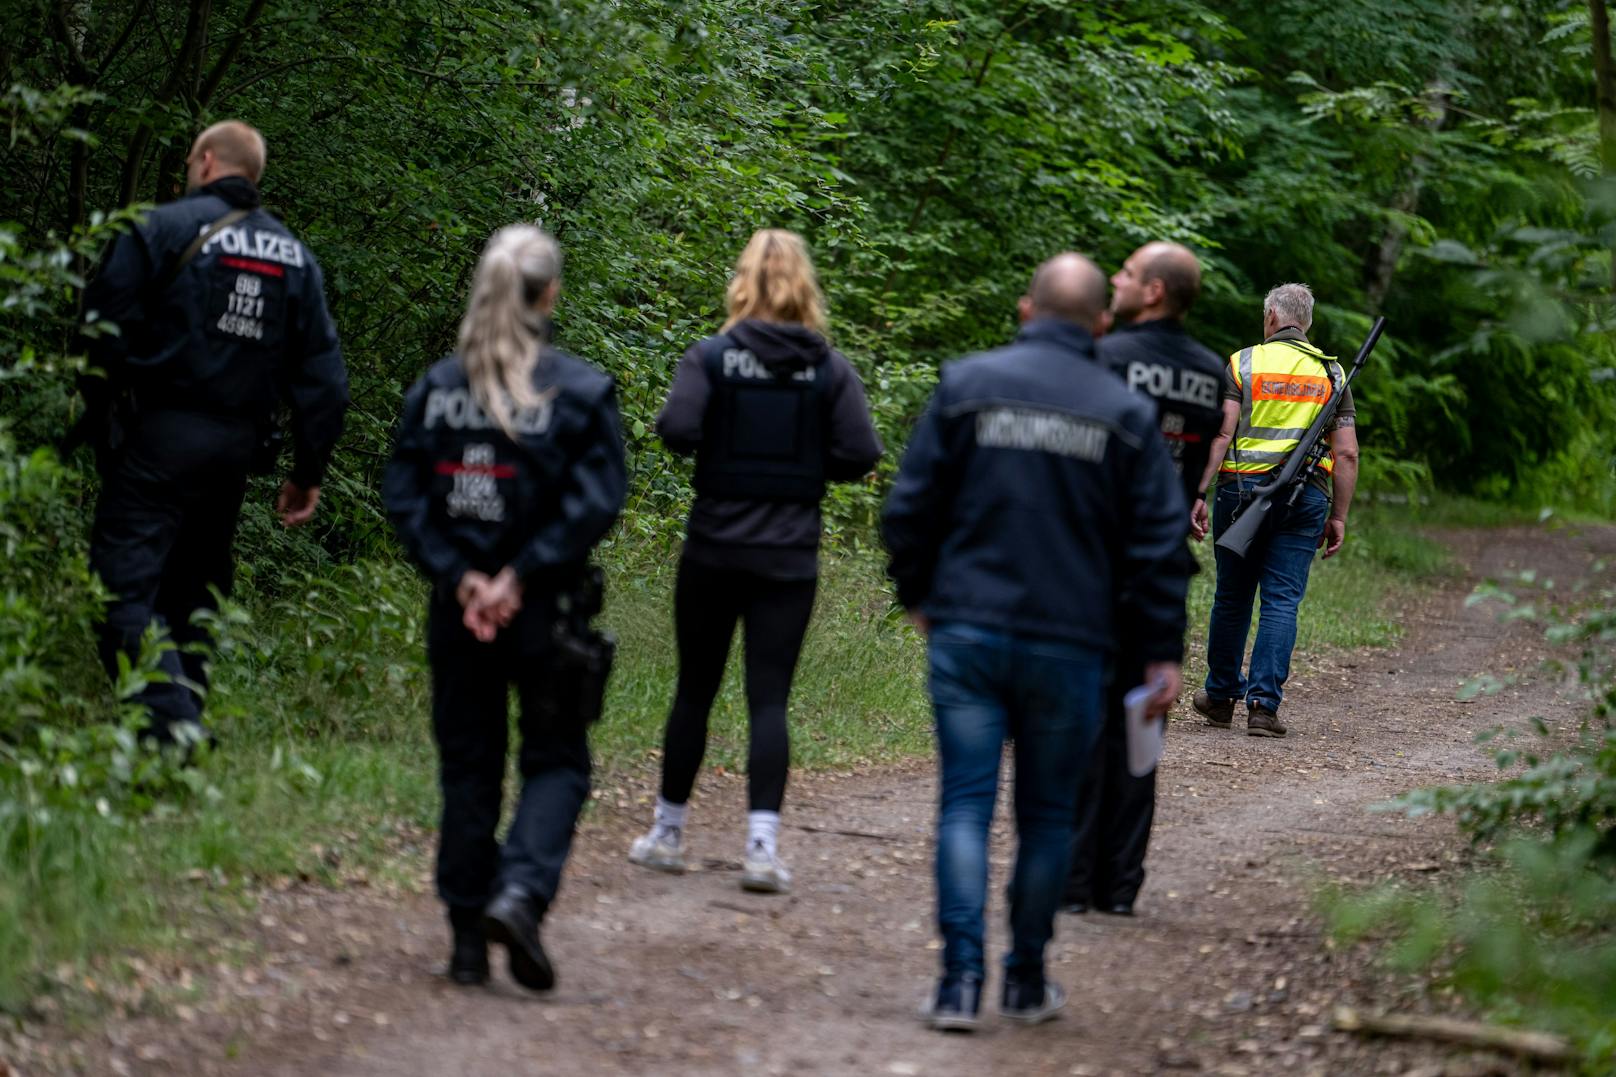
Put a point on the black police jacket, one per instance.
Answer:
(1184, 377)
(1036, 491)
(771, 412)
(242, 325)
(463, 495)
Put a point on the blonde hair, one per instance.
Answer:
(502, 331)
(235, 145)
(774, 280)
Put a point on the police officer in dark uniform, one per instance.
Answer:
(1153, 353)
(220, 314)
(507, 471)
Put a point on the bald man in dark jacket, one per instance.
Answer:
(1034, 492)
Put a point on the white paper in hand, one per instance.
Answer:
(1146, 736)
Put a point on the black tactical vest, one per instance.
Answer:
(763, 433)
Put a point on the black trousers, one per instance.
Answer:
(707, 602)
(471, 684)
(162, 536)
(1114, 812)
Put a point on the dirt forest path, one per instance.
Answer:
(1224, 971)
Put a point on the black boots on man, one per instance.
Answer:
(468, 961)
(512, 921)
(1030, 1001)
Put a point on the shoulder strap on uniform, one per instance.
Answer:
(1331, 365)
(1307, 349)
(198, 243)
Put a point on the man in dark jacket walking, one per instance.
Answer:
(1155, 356)
(1034, 492)
(220, 313)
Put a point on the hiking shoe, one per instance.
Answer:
(1030, 1002)
(1262, 722)
(763, 873)
(1219, 713)
(954, 1005)
(512, 921)
(663, 849)
(468, 960)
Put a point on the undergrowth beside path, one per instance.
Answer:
(326, 769)
(1226, 969)
(1529, 936)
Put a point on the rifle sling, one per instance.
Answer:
(196, 246)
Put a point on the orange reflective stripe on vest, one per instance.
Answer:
(1284, 386)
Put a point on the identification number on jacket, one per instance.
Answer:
(247, 302)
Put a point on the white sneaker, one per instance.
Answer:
(663, 849)
(763, 873)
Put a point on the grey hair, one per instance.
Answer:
(501, 332)
(1291, 303)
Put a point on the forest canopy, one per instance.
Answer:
(1436, 162)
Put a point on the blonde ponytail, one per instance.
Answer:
(501, 334)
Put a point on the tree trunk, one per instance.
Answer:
(134, 161)
(1605, 98)
(216, 73)
(78, 180)
(67, 21)
(1383, 261)
(1604, 83)
(201, 82)
(168, 183)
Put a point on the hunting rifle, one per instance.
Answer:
(1299, 466)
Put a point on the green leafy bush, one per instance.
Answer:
(1560, 787)
(1531, 937)
(327, 651)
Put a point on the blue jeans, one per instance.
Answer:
(1278, 563)
(989, 686)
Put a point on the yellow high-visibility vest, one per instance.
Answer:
(1290, 382)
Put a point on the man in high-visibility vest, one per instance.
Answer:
(1272, 393)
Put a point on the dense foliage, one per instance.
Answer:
(1435, 161)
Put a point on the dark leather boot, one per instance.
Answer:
(1262, 722)
(1219, 713)
(512, 921)
(468, 961)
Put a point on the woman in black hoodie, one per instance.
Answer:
(772, 413)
